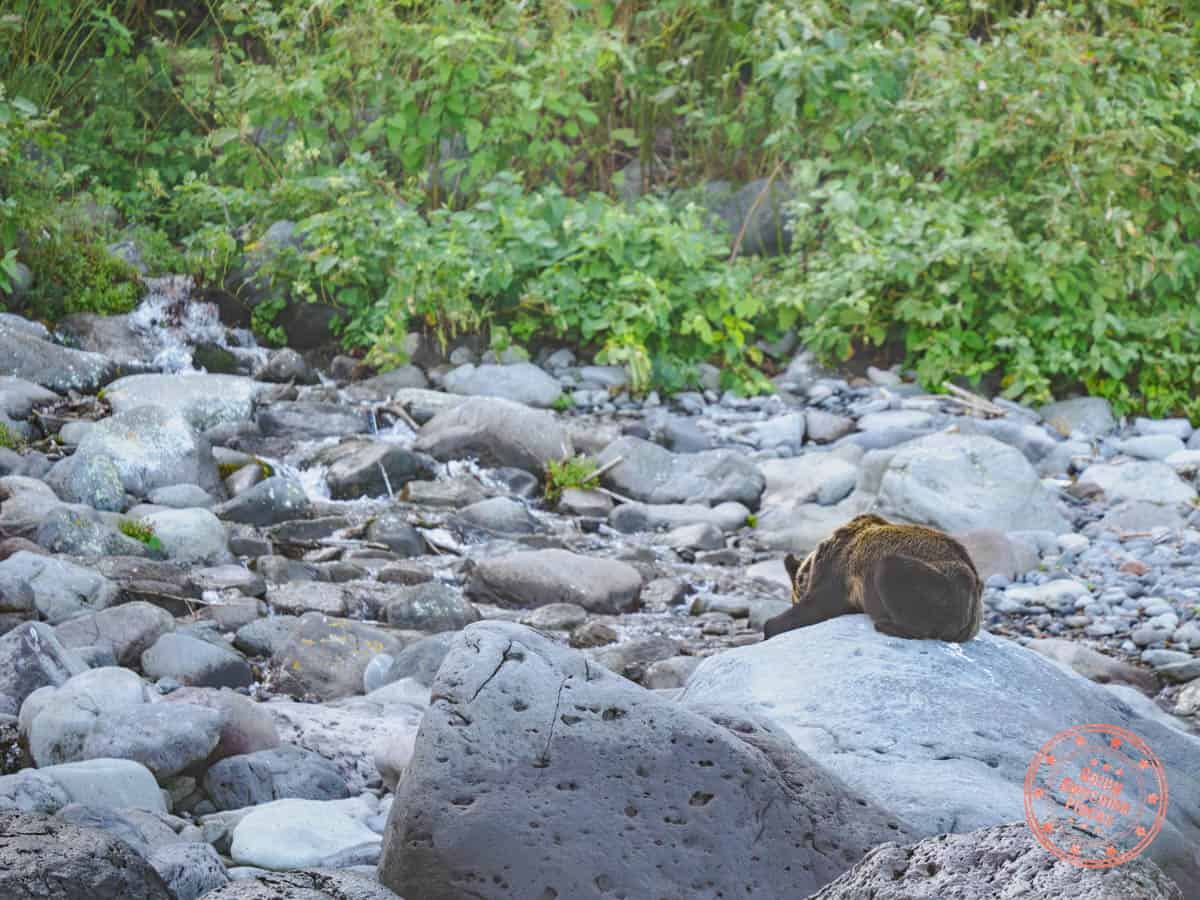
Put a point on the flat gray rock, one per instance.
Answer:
(959, 482)
(991, 864)
(497, 432)
(1137, 482)
(203, 400)
(307, 421)
(653, 474)
(527, 743)
(280, 773)
(191, 661)
(430, 607)
(634, 517)
(295, 834)
(308, 884)
(519, 382)
(534, 578)
(940, 734)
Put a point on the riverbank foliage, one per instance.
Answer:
(1004, 192)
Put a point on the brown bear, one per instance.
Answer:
(913, 582)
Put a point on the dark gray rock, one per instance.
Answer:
(266, 636)
(301, 421)
(758, 212)
(286, 365)
(191, 661)
(992, 863)
(653, 474)
(534, 578)
(632, 658)
(31, 657)
(28, 357)
(78, 530)
(431, 607)
(129, 629)
(421, 659)
(55, 589)
(385, 385)
(270, 502)
(394, 531)
(48, 859)
(277, 774)
(307, 884)
(641, 797)
(497, 432)
(361, 468)
(190, 869)
(963, 767)
(140, 829)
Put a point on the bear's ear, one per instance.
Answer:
(792, 565)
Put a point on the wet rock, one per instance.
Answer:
(652, 474)
(26, 356)
(497, 432)
(203, 400)
(1090, 417)
(1008, 702)
(371, 469)
(285, 772)
(189, 869)
(431, 607)
(326, 656)
(286, 365)
(588, 504)
(55, 589)
(534, 578)
(47, 858)
(270, 502)
(191, 536)
(299, 421)
(561, 747)
(959, 482)
(31, 657)
(191, 661)
(992, 862)
(520, 383)
(1136, 482)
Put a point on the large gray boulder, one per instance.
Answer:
(533, 578)
(192, 661)
(56, 721)
(46, 858)
(150, 447)
(203, 400)
(326, 656)
(56, 589)
(653, 474)
(166, 738)
(940, 734)
(497, 432)
(277, 774)
(25, 355)
(992, 864)
(1136, 482)
(526, 743)
(957, 482)
(519, 382)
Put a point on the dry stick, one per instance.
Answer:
(737, 243)
(606, 467)
(974, 399)
(398, 410)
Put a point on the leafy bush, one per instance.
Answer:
(140, 530)
(561, 475)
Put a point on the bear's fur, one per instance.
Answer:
(913, 582)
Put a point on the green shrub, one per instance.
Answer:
(561, 475)
(140, 530)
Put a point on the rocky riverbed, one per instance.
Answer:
(270, 630)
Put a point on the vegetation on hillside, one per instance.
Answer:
(1002, 190)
